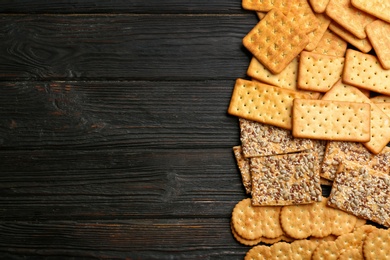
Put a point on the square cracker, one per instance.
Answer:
(338, 152)
(378, 8)
(331, 120)
(263, 103)
(363, 45)
(287, 179)
(378, 33)
(301, 12)
(331, 44)
(243, 166)
(350, 18)
(380, 99)
(364, 71)
(319, 72)
(362, 192)
(276, 40)
(267, 5)
(258, 139)
(316, 35)
(385, 107)
(319, 6)
(380, 122)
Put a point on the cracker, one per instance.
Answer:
(349, 17)
(338, 152)
(242, 240)
(243, 166)
(360, 222)
(341, 222)
(319, 6)
(326, 250)
(288, 179)
(281, 250)
(271, 241)
(263, 103)
(377, 245)
(331, 44)
(301, 13)
(318, 72)
(267, 5)
(377, 8)
(321, 217)
(322, 239)
(316, 35)
(378, 33)
(276, 40)
(258, 252)
(380, 123)
(351, 254)
(331, 120)
(258, 139)
(296, 221)
(354, 240)
(302, 249)
(364, 71)
(362, 192)
(363, 45)
(385, 107)
(380, 99)
(261, 15)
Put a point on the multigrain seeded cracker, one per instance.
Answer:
(338, 152)
(275, 41)
(243, 166)
(316, 35)
(331, 44)
(258, 139)
(350, 18)
(263, 103)
(378, 33)
(267, 5)
(364, 71)
(363, 45)
(378, 8)
(377, 245)
(319, 6)
(362, 192)
(331, 120)
(318, 72)
(288, 179)
(380, 123)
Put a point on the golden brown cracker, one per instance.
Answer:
(302, 249)
(316, 35)
(341, 222)
(319, 6)
(378, 32)
(377, 245)
(243, 166)
(301, 13)
(351, 254)
(331, 44)
(320, 219)
(267, 5)
(326, 250)
(363, 45)
(259, 252)
(377, 8)
(244, 241)
(380, 99)
(296, 221)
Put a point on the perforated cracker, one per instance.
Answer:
(266, 5)
(243, 166)
(276, 40)
(261, 15)
(316, 35)
(303, 249)
(318, 72)
(326, 250)
(301, 12)
(380, 123)
(288, 179)
(380, 99)
(378, 33)
(319, 6)
(331, 120)
(363, 45)
(364, 71)
(296, 221)
(349, 17)
(321, 218)
(258, 252)
(362, 192)
(377, 245)
(385, 107)
(378, 8)
(242, 240)
(263, 103)
(331, 44)
(258, 139)
(350, 254)
(341, 222)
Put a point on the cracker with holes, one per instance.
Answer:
(380, 123)
(365, 71)
(385, 107)
(331, 44)
(267, 5)
(258, 139)
(362, 192)
(331, 120)
(243, 166)
(319, 72)
(326, 250)
(301, 13)
(350, 18)
(363, 45)
(354, 240)
(377, 245)
(319, 6)
(244, 241)
(316, 35)
(258, 252)
(380, 99)
(377, 8)
(338, 152)
(263, 103)
(288, 179)
(378, 33)
(276, 40)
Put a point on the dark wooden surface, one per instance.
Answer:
(114, 137)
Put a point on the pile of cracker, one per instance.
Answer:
(314, 111)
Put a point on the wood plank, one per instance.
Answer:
(121, 6)
(111, 115)
(125, 47)
(130, 239)
(121, 184)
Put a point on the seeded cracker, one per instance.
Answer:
(258, 139)
(243, 166)
(378, 33)
(362, 192)
(331, 44)
(378, 8)
(363, 45)
(276, 40)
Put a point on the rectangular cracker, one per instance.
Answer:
(377, 8)
(363, 45)
(285, 179)
(362, 192)
(350, 18)
(364, 71)
(275, 41)
(318, 72)
(259, 139)
(243, 166)
(331, 120)
(385, 107)
(263, 103)
(319, 6)
(331, 44)
(316, 35)
(378, 33)
(338, 152)
(380, 122)
(267, 5)
(380, 99)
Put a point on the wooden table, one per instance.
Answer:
(115, 142)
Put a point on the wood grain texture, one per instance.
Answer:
(125, 47)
